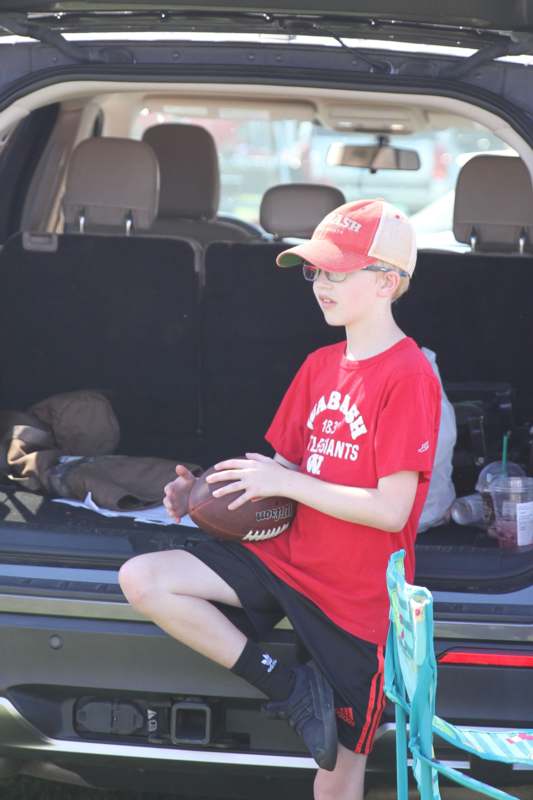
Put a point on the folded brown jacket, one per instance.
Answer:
(38, 450)
(122, 483)
(83, 423)
(27, 449)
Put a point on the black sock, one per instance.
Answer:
(263, 671)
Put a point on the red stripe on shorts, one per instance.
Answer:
(375, 703)
(381, 706)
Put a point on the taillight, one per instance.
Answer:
(441, 163)
(486, 659)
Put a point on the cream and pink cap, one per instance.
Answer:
(355, 235)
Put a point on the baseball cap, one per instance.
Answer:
(355, 235)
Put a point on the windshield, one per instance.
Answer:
(258, 151)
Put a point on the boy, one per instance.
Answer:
(355, 439)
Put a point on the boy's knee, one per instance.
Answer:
(326, 786)
(345, 782)
(135, 579)
(329, 786)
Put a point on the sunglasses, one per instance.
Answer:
(311, 273)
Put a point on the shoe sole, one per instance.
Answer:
(326, 703)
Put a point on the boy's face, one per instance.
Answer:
(352, 300)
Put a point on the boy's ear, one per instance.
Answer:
(388, 282)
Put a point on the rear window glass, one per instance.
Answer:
(260, 152)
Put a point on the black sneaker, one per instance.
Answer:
(310, 710)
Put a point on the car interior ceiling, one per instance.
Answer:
(195, 337)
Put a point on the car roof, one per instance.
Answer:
(471, 22)
(513, 14)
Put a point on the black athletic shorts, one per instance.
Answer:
(353, 666)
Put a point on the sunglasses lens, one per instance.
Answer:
(309, 272)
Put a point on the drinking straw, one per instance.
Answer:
(504, 454)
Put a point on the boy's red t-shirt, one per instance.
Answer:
(352, 423)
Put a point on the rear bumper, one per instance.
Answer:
(51, 663)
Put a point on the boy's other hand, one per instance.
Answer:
(176, 499)
(258, 475)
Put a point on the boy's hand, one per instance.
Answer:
(176, 499)
(258, 475)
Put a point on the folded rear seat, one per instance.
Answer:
(474, 309)
(106, 307)
(259, 323)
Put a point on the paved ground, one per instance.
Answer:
(455, 793)
(34, 789)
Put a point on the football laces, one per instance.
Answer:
(258, 536)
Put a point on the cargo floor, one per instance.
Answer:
(32, 527)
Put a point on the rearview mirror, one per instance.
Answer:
(372, 157)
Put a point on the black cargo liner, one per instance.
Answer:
(35, 529)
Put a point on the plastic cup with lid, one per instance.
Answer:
(487, 475)
(513, 508)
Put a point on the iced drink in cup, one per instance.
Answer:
(513, 508)
(487, 475)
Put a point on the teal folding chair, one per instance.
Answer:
(411, 684)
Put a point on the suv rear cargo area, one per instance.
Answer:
(196, 374)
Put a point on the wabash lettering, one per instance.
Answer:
(336, 220)
(349, 410)
(275, 514)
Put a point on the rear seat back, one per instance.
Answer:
(259, 324)
(295, 209)
(190, 185)
(111, 312)
(493, 209)
(112, 186)
(474, 309)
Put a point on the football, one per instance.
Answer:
(252, 522)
